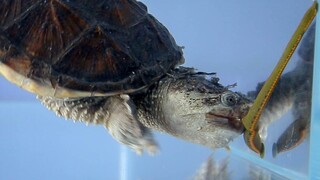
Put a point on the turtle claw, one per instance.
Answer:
(151, 148)
(147, 144)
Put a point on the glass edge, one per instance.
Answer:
(314, 159)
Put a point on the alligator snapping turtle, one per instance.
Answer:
(110, 62)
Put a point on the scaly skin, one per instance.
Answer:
(187, 105)
(184, 104)
(195, 109)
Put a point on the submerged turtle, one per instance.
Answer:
(109, 62)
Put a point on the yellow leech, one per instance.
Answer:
(250, 121)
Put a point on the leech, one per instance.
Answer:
(251, 119)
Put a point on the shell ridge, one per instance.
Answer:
(71, 45)
(80, 48)
(20, 16)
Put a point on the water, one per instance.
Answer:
(241, 42)
(315, 123)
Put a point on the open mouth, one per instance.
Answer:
(225, 120)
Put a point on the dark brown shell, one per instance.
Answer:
(71, 48)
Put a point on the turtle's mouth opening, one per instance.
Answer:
(233, 122)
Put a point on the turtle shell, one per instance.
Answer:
(73, 48)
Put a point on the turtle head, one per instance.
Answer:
(198, 110)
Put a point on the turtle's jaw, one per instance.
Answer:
(221, 120)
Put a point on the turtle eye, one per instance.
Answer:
(229, 99)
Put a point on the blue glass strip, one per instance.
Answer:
(314, 161)
(276, 169)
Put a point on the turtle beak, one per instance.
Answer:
(223, 121)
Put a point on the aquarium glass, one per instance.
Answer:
(241, 42)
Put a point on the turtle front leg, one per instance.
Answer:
(117, 113)
(124, 126)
